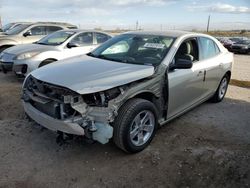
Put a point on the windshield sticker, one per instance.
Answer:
(70, 32)
(154, 45)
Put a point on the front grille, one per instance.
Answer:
(48, 98)
(236, 47)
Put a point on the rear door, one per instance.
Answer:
(100, 38)
(37, 32)
(52, 29)
(210, 59)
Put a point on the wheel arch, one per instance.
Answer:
(44, 62)
(228, 73)
(151, 97)
(5, 46)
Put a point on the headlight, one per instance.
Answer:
(26, 55)
(245, 47)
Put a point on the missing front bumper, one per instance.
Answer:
(66, 126)
(102, 134)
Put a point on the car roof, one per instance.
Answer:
(53, 23)
(84, 30)
(172, 33)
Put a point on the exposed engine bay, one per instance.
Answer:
(91, 111)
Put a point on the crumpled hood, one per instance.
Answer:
(23, 48)
(84, 74)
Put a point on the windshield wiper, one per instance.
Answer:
(91, 54)
(102, 57)
(41, 43)
(108, 58)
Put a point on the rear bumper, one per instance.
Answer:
(66, 126)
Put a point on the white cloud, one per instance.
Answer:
(220, 8)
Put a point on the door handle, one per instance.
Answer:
(199, 73)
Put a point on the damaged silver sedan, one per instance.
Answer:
(128, 86)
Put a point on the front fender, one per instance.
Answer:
(7, 42)
(49, 55)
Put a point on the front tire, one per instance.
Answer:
(135, 125)
(221, 90)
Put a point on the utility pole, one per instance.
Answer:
(136, 25)
(208, 23)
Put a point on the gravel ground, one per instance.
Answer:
(207, 147)
(241, 67)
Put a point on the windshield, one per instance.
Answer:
(7, 27)
(18, 29)
(135, 49)
(56, 38)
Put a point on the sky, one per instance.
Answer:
(123, 14)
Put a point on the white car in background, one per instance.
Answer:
(25, 58)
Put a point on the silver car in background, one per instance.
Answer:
(30, 32)
(59, 45)
(129, 86)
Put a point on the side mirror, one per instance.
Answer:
(182, 64)
(72, 45)
(27, 33)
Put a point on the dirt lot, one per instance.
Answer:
(207, 147)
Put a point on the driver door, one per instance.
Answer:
(84, 42)
(185, 85)
(35, 34)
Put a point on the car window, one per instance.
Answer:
(120, 47)
(18, 29)
(52, 29)
(209, 48)
(56, 38)
(38, 30)
(101, 38)
(83, 39)
(188, 50)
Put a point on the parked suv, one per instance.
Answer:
(30, 32)
(128, 86)
(10, 26)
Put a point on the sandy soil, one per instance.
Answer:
(207, 147)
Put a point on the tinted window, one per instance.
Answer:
(209, 48)
(7, 27)
(51, 29)
(38, 30)
(83, 39)
(17, 29)
(101, 38)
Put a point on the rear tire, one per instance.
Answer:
(221, 90)
(135, 125)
